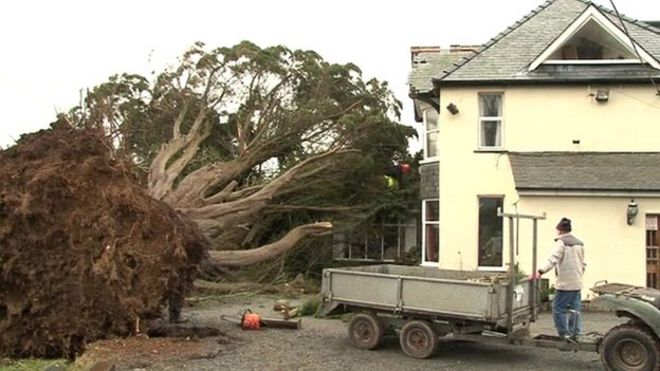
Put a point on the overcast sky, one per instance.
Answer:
(50, 50)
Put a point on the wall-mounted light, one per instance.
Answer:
(632, 211)
(602, 95)
(452, 108)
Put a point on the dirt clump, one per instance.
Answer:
(85, 253)
(140, 352)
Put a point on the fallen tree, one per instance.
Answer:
(113, 211)
(231, 136)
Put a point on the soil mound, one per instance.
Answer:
(85, 253)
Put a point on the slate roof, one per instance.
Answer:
(586, 171)
(507, 56)
(428, 65)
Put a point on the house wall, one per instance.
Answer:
(614, 251)
(547, 118)
(551, 117)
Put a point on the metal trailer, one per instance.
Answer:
(422, 304)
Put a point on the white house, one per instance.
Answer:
(559, 114)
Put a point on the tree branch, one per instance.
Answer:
(244, 192)
(192, 189)
(279, 208)
(223, 195)
(255, 202)
(176, 130)
(269, 251)
(161, 177)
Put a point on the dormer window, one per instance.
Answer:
(593, 39)
(593, 42)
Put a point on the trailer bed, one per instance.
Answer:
(475, 296)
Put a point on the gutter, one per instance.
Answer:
(588, 193)
(426, 97)
(437, 83)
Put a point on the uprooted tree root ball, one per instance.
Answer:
(85, 253)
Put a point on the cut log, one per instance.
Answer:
(281, 323)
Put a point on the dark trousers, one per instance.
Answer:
(174, 305)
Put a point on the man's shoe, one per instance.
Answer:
(592, 337)
(568, 339)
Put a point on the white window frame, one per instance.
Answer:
(490, 118)
(424, 224)
(428, 158)
(491, 268)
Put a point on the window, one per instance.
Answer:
(593, 41)
(430, 134)
(490, 232)
(490, 120)
(430, 233)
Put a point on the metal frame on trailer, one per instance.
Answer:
(533, 296)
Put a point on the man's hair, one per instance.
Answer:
(564, 225)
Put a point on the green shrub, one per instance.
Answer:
(310, 307)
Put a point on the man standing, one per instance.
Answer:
(568, 261)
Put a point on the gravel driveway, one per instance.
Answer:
(322, 344)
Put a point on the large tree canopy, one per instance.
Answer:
(231, 136)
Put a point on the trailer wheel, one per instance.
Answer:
(365, 331)
(630, 348)
(418, 339)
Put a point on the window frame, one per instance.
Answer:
(480, 267)
(490, 118)
(427, 132)
(424, 224)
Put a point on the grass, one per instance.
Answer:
(31, 364)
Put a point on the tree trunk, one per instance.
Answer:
(219, 211)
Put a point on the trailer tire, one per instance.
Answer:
(418, 339)
(629, 347)
(365, 330)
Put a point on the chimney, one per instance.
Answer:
(415, 50)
